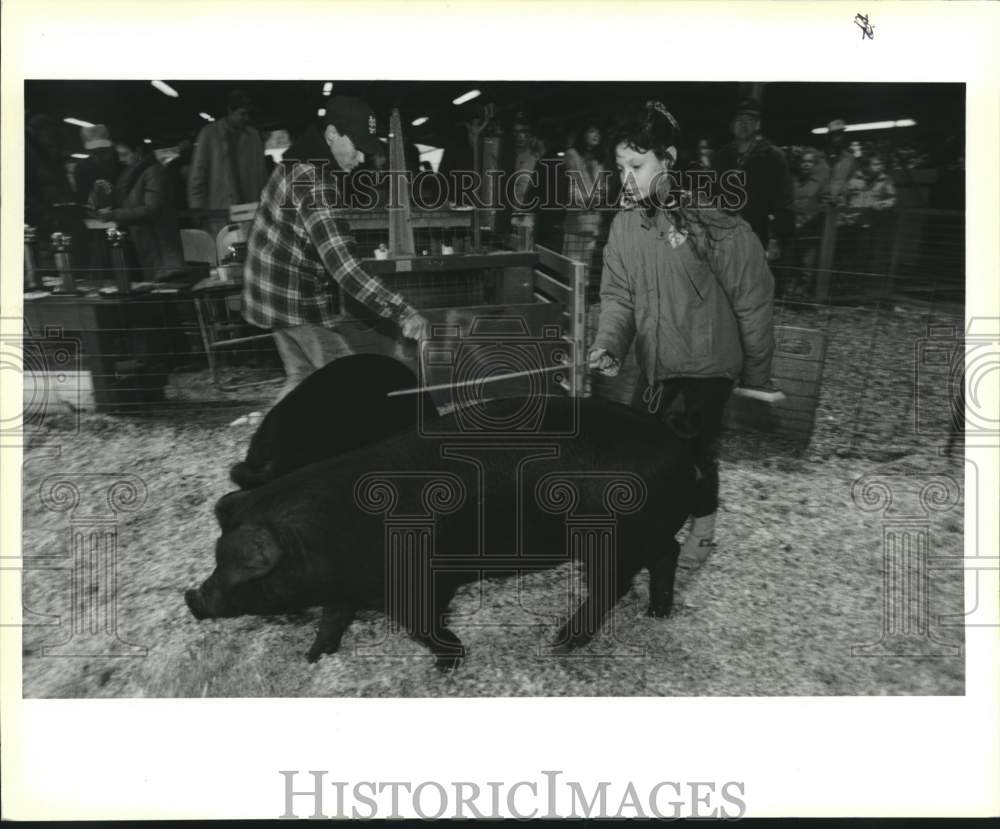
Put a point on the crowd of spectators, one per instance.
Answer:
(788, 188)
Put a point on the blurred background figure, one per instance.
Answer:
(587, 181)
(50, 204)
(177, 170)
(769, 191)
(812, 180)
(703, 155)
(228, 163)
(840, 159)
(141, 206)
(526, 150)
(96, 174)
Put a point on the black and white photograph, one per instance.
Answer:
(638, 391)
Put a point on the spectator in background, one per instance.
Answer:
(49, 200)
(841, 160)
(178, 169)
(769, 190)
(96, 174)
(703, 154)
(811, 184)
(141, 206)
(228, 163)
(527, 150)
(588, 190)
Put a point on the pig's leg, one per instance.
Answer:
(430, 630)
(607, 582)
(336, 620)
(661, 580)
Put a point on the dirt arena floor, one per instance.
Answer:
(792, 603)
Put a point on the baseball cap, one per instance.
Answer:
(837, 125)
(95, 136)
(748, 106)
(355, 119)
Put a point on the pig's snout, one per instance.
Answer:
(195, 600)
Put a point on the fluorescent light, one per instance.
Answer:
(468, 96)
(81, 155)
(418, 121)
(169, 91)
(147, 141)
(206, 116)
(872, 125)
(77, 122)
(327, 88)
(321, 111)
(560, 154)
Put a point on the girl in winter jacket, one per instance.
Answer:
(691, 291)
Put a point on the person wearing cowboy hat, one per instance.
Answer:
(301, 253)
(770, 195)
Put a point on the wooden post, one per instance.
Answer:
(826, 249)
(400, 229)
(897, 251)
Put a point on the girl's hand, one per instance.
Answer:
(600, 360)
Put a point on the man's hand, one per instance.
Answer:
(416, 327)
(600, 360)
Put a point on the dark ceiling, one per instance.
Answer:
(703, 109)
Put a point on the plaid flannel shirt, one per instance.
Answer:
(299, 249)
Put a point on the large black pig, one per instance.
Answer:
(318, 536)
(336, 409)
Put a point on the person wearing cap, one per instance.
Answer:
(300, 250)
(100, 165)
(227, 167)
(769, 190)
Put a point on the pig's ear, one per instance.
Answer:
(226, 507)
(248, 553)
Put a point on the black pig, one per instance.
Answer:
(306, 538)
(338, 408)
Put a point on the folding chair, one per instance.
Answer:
(231, 234)
(198, 246)
(219, 305)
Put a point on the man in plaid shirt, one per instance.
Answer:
(299, 249)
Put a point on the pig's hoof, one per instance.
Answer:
(194, 602)
(448, 662)
(319, 648)
(567, 642)
(660, 609)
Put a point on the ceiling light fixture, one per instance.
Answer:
(871, 125)
(77, 122)
(418, 121)
(468, 96)
(169, 91)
